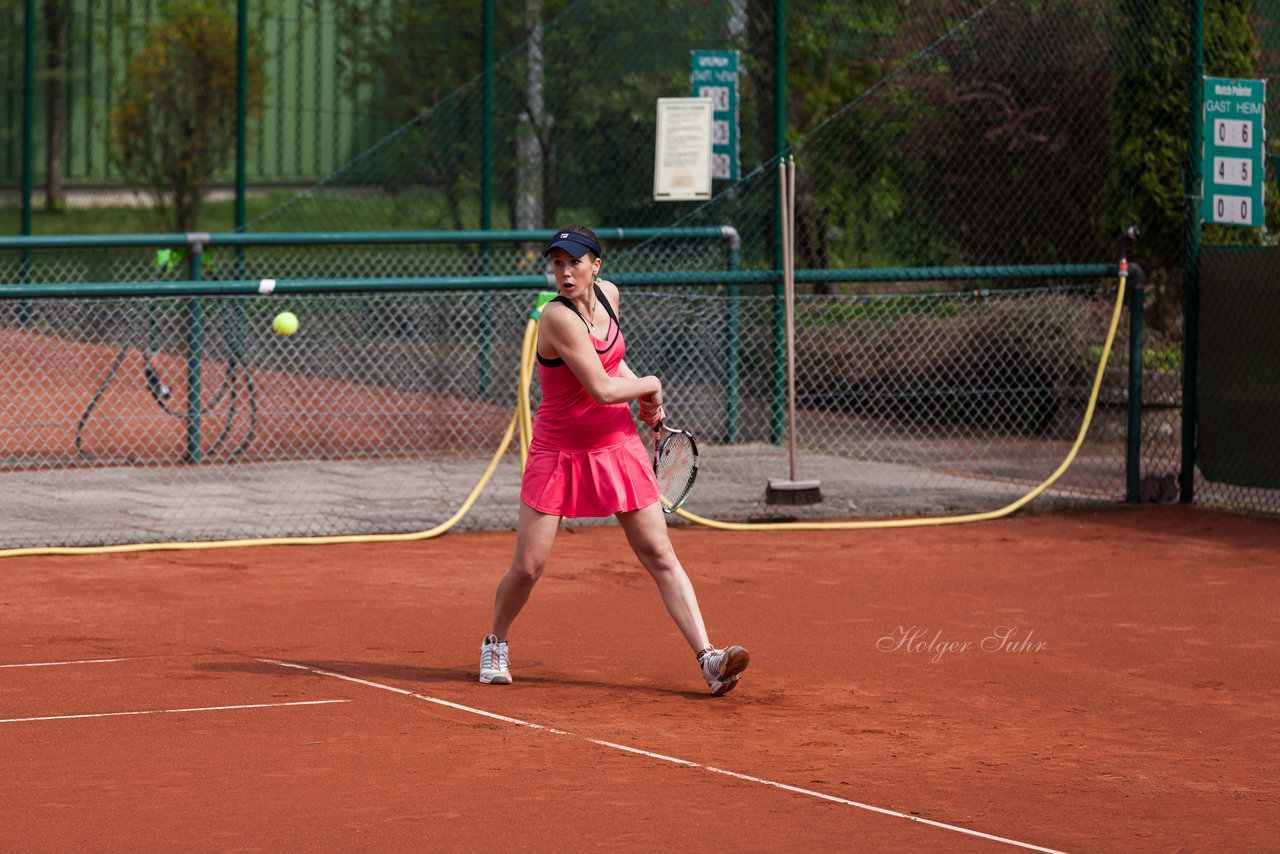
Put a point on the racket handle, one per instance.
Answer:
(656, 427)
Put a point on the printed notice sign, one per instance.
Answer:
(682, 159)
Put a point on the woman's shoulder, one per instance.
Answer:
(557, 312)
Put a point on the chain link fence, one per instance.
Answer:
(950, 135)
(187, 418)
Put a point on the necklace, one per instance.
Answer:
(590, 318)
(595, 304)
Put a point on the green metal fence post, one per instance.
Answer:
(195, 345)
(28, 130)
(780, 149)
(486, 198)
(242, 118)
(1133, 440)
(486, 125)
(237, 333)
(1191, 257)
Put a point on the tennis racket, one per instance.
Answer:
(675, 462)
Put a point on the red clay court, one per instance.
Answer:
(1082, 681)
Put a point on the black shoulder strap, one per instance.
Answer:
(564, 300)
(608, 308)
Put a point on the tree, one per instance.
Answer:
(1013, 135)
(410, 62)
(57, 21)
(1149, 130)
(573, 125)
(834, 56)
(529, 206)
(173, 126)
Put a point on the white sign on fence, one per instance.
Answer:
(682, 158)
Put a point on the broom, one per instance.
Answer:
(791, 492)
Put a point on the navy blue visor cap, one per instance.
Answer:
(574, 243)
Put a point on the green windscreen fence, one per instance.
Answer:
(1238, 440)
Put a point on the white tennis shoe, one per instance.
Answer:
(495, 667)
(720, 667)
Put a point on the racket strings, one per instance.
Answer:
(677, 463)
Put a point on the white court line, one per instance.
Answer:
(61, 663)
(734, 774)
(171, 711)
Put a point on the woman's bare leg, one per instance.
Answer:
(646, 531)
(535, 533)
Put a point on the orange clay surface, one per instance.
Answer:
(1083, 681)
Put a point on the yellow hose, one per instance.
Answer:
(528, 355)
(945, 520)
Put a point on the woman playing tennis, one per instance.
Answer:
(586, 459)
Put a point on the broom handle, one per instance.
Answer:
(789, 293)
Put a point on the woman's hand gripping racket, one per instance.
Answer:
(675, 462)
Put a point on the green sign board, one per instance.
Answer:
(1233, 132)
(714, 75)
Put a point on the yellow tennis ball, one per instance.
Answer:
(286, 323)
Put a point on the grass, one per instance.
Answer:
(330, 209)
(215, 217)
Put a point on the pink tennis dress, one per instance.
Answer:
(585, 458)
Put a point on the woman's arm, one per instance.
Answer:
(650, 405)
(561, 334)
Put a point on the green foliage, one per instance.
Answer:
(404, 56)
(943, 132)
(573, 104)
(419, 67)
(1006, 134)
(824, 73)
(885, 308)
(1167, 359)
(978, 148)
(1150, 122)
(1153, 359)
(173, 126)
(853, 156)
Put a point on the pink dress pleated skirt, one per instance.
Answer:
(585, 458)
(594, 482)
